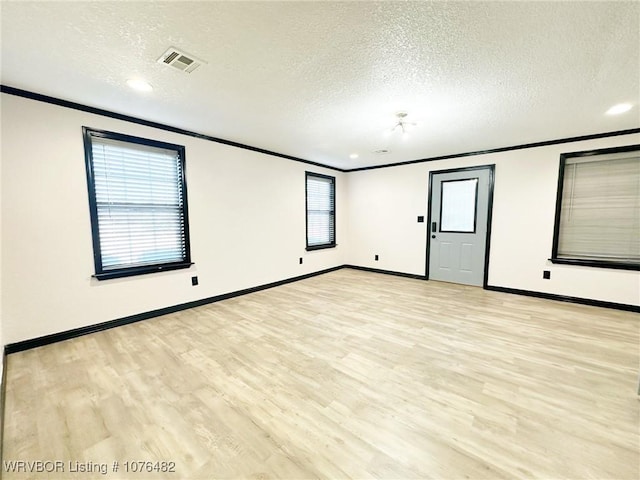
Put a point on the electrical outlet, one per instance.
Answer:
(300, 260)
(376, 258)
(546, 274)
(420, 218)
(194, 281)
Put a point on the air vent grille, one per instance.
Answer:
(171, 57)
(180, 60)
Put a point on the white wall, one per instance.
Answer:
(1, 327)
(384, 204)
(247, 224)
(246, 218)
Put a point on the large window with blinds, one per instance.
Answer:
(598, 209)
(321, 211)
(138, 204)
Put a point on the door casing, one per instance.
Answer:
(491, 168)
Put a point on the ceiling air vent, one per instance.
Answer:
(180, 60)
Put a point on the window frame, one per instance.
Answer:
(332, 243)
(100, 273)
(556, 229)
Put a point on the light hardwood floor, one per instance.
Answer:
(346, 375)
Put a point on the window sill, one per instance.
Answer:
(595, 263)
(130, 272)
(321, 247)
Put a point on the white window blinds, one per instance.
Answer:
(321, 229)
(139, 205)
(600, 209)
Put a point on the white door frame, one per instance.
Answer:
(491, 168)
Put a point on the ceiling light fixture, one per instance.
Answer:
(139, 84)
(401, 125)
(353, 156)
(619, 108)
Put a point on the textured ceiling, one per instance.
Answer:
(322, 80)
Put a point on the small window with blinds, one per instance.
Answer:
(321, 211)
(598, 209)
(138, 204)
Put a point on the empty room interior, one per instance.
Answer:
(320, 240)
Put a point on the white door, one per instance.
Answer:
(459, 215)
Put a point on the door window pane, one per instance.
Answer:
(458, 205)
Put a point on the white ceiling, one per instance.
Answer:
(322, 80)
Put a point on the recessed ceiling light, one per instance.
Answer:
(353, 156)
(139, 84)
(619, 108)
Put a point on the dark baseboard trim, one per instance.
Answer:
(386, 272)
(564, 298)
(514, 291)
(98, 327)
(148, 123)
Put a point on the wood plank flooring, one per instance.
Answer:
(346, 375)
